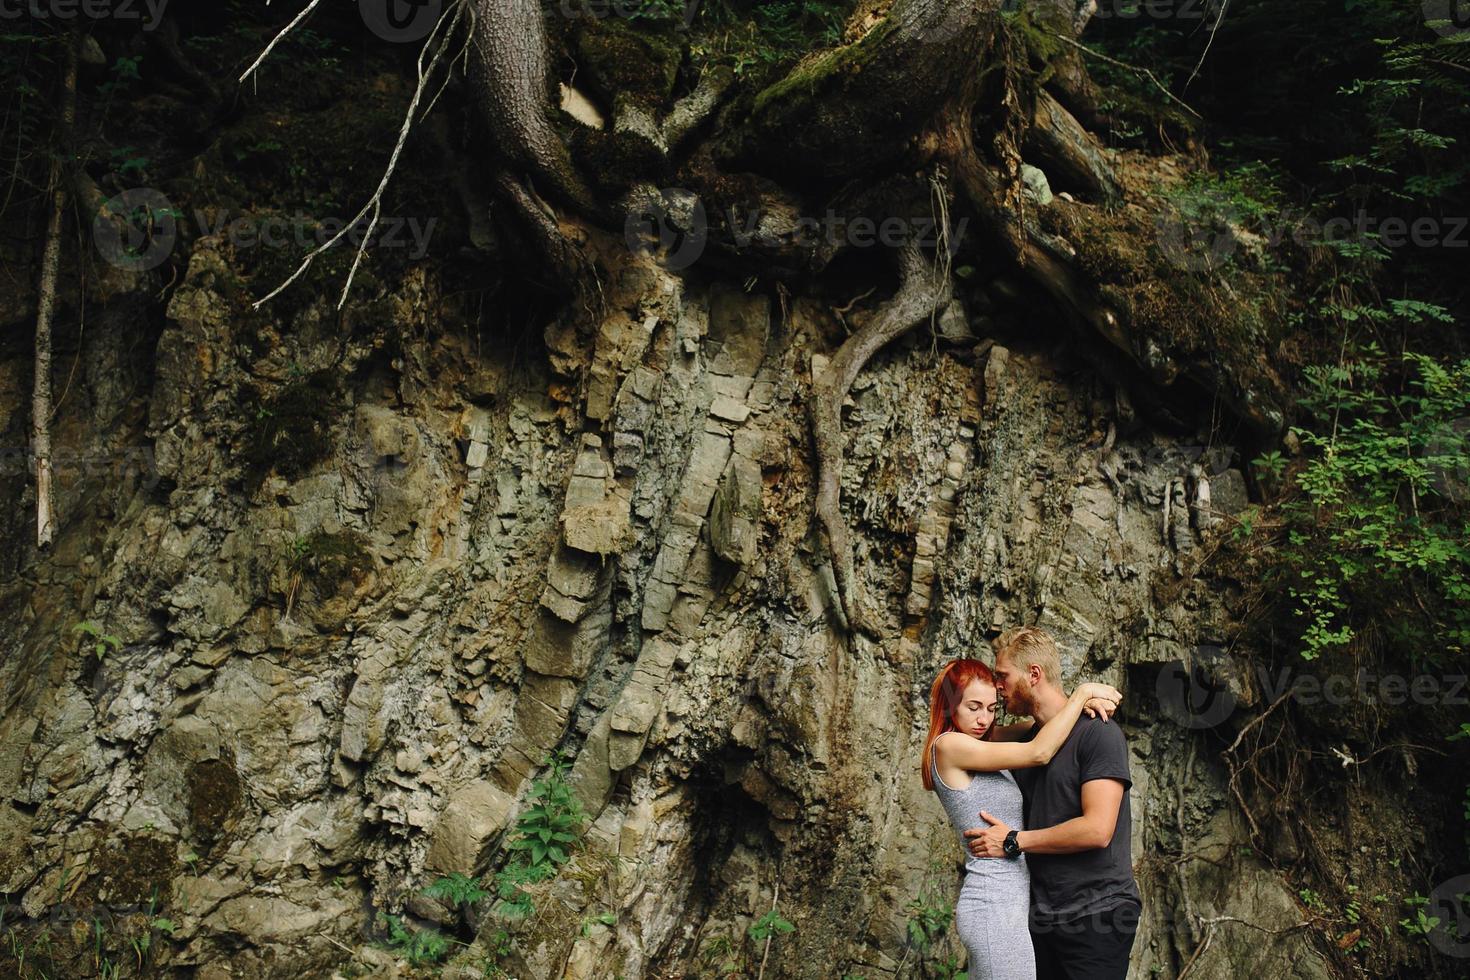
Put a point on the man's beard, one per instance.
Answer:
(1019, 703)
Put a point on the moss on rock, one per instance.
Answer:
(290, 431)
(619, 59)
(134, 868)
(214, 798)
(614, 161)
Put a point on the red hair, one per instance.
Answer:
(944, 697)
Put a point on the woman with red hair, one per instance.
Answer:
(966, 765)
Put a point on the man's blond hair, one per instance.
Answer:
(1030, 645)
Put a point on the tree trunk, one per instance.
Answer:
(46, 298)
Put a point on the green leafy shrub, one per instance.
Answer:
(418, 946)
(1377, 531)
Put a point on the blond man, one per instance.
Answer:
(1085, 903)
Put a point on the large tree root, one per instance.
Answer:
(922, 290)
(509, 38)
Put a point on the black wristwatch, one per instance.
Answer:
(1011, 847)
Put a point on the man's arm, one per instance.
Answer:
(1101, 801)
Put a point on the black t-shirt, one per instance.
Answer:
(1070, 886)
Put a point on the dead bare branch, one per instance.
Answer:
(374, 205)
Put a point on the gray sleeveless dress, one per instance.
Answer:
(992, 912)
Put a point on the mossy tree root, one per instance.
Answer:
(922, 290)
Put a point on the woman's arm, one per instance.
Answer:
(1013, 732)
(1017, 731)
(977, 756)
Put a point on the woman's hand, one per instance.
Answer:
(1098, 700)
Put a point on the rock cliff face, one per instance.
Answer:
(364, 579)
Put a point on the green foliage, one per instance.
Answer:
(1426, 163)
(768, 925)
(1418, 923)
(589, 922)
(928, 920)
(545, 830)
(497, 948)
(1246, 196)
(1377, 521)
(457, 889)
(123, 73)
(542, 840)
(103, 640)
(721, 955)
(766, 34)
(418, 946)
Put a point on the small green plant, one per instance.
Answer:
(516, 902)
(418, 946)
(1271, 464)
(721, 955)
(1312, 900)
(769, 925)
(949, 969)
(591, 921)
(497, 948)
(544, 833)
(546, 829)
(1417, 922)
(102, 640)
(928, 920)
(457, 889)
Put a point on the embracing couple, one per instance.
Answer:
(1042, 808)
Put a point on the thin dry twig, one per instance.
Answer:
(306, 12)
(374, 205)
(1219, 19)
(767, 951)
(1133, 68)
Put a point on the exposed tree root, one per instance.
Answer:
(921, 291)
(510, 72)
(538, 223)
